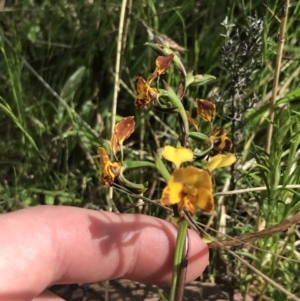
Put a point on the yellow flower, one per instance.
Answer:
(191, 187)
(109, 170)
(177, 155)
(145, 93)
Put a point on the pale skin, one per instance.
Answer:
(46, 245)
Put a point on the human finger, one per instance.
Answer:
(48, 245)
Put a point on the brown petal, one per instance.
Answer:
(122, 131)
(206, 109)
(192, 121)
(163, 63)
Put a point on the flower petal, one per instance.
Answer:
(187, 203)
(219, 161)
(163, 63)
(122, 131)
(172, 193)
(109, 170)
(114, 144)
(206, 109)
(194, 176)
(177, 155)
(192, 121)
(205, 200)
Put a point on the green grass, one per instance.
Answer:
(57, 64)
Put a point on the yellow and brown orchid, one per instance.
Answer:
(109, 169)
(191, 187)
(145, 93)
(221, 143)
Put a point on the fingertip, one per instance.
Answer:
(47, 296)
(154, 252)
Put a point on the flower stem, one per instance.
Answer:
(180, 262)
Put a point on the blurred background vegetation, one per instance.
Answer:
(57, 75)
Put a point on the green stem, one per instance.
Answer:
(176, 102)
(180, 262)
